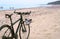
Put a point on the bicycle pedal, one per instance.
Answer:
(24, 30)
(15, 36)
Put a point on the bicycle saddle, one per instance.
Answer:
(8, 15)
(23, 13)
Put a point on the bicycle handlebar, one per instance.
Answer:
(24, 13)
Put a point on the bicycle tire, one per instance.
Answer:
(9, 28)
(20, 34)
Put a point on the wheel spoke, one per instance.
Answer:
(6, 32)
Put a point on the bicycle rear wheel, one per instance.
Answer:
(24, 31)
(6, 32)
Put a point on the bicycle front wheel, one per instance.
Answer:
(24, 31)
(5, 32)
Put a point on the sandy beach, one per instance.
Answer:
(45, 22)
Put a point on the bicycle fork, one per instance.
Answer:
(23, 27)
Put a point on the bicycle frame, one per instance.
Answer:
(23, 27)
(19, 25)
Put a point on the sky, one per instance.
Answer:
(23, 3)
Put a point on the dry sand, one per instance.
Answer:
(45, 22)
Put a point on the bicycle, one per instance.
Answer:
(24, 31)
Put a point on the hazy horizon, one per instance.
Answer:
(6, 4)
